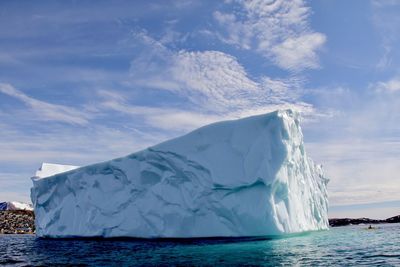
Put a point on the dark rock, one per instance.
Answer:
(348, 221)
(17, 222)
(395, 219)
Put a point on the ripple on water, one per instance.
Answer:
(350, 245)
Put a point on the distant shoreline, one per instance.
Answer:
(335, 222)
(23, 222)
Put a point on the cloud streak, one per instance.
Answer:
(46, 111)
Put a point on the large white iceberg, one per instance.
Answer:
(247, 177)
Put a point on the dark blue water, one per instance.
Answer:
(344, 246)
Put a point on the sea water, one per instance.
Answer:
(343, 246)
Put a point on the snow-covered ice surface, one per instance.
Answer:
(49, 169)
(247, 177)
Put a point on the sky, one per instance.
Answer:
(87, 81)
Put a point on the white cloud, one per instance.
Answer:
(25, 144)
(47, 111)
(215, 84)
(385, 3)
(210, 79)
(165, 118)
(213, 80)
(8, 59)
(278, 30)
(206, 86)
(298, 52)
(385, 61)
(360, 146)
(24, 149)
(12, 184)
(12, 195)
(392, 85)
(360, 171)
(177, 121)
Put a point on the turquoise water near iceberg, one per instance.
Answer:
(341, 246)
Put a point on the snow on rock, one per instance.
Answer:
(247, 177)
(15, 205)
(50, 169)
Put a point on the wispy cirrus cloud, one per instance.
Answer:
(45, 110)
(206, 86)
(387, 24)
(213, 81)
(169, 119)
(278, 30)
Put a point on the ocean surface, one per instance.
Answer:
(343, 246)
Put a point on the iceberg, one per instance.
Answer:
(246, 177)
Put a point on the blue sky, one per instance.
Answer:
(85, 81)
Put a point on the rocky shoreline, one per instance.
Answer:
(17, 222)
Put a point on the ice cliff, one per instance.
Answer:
(247, 177)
